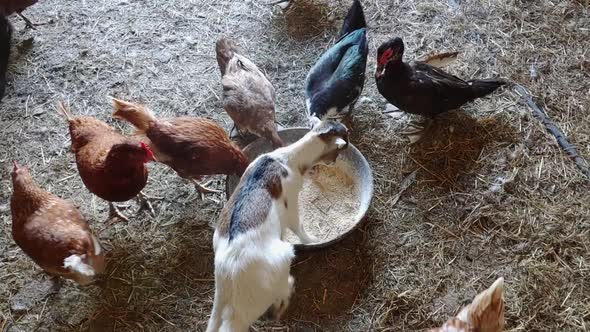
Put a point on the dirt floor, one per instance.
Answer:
(494, 194)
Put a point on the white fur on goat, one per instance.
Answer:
(252, 262)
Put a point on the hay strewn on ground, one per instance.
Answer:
(510, 202)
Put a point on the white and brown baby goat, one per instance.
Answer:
(252, 262)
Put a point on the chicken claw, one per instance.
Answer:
(115, 214)
(144, 203)
(56, 284)
(202, 188)
(28, 22)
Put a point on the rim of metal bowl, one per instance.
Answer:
(361, 215)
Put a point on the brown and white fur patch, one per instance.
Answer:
(252, 262)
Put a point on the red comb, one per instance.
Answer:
(149, 152)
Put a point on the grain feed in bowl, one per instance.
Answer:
(328, 201)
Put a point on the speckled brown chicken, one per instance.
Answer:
(111, 165)
(248, 96)
(484, 314)
(192, 146)
(52, 231)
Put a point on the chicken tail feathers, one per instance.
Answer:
(440, 60)
(486, 312)
(225, 50)
(63, 109)
(482, 88)
(135, 114)
(354, 20)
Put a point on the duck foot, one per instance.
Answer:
(415, 131)
(284, 4)
(144, 203)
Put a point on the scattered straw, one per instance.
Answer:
(517, 206)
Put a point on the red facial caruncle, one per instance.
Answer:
(385, 57)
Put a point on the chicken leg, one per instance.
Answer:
(144, 203)
(202, 188)
(115, 214)
(28, 22)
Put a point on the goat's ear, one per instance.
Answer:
(328, 129)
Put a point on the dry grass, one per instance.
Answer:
(306, 19)
(510, 202)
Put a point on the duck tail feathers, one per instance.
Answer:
(484, 87)
(354, 20)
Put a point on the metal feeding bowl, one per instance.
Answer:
(351, 159)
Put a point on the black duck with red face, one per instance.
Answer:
(423, 89)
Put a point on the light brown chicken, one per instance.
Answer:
(52, 231)
(484, 314)
(112, 166)
(248, 96)
(192, 146)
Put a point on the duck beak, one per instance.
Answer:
(379, 71)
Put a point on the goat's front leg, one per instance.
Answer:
(295, 224)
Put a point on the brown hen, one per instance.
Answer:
(192, 146)
(484, 314)
(52, 231)
(111, 165)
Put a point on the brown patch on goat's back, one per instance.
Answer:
(275, 187)
(249, 205)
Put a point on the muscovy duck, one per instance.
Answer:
(336, 81)
(421, 88)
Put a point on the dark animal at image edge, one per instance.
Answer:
(5, 43)
(9, 7)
